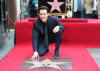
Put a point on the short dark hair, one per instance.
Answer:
(43, 8)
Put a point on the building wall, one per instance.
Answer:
(17, 8)
(99, 9)
(11, 9)
(0, 11)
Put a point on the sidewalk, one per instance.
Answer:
(6, 43)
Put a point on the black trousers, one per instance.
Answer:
(77, 14)
(52, 38)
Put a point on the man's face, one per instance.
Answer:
(43, 15)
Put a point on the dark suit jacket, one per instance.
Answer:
(38, 30)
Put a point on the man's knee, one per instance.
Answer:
(41, 53)
(60, 33)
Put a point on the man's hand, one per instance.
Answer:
(35, 56)
(56, 29)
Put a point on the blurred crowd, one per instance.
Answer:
(84, 8)
(80, 8)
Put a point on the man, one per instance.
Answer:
(46, 30)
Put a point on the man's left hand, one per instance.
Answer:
(56, 29)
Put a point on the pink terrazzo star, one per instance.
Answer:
(47, 63)
(55, 5)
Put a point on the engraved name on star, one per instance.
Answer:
(47, 62)
(55, 5)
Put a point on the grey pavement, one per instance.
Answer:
(6, 43)
(95, 53)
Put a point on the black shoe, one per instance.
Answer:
(56, 55)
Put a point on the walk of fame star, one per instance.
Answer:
(55, 5)
(46, 63)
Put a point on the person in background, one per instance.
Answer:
(97, 3)
(35, 2)
(32, 9)
(76, 8)
(46, 30)
(68, 3)
(87, 6)
(94, 15)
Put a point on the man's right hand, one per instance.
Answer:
(35, 56)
